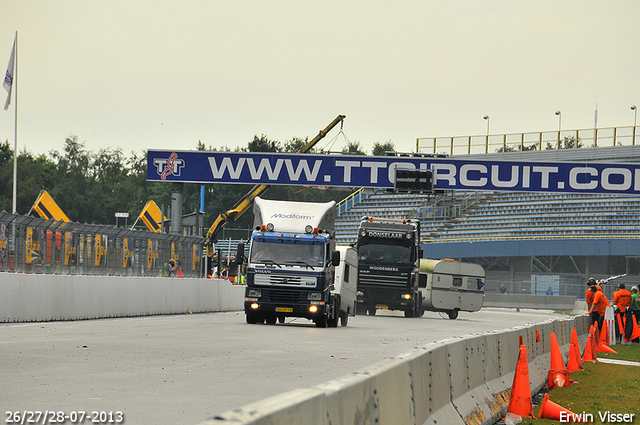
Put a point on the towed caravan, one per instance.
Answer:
(451, 286)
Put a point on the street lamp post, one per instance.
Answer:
(559, 114)
(486, 117)
(635, 120)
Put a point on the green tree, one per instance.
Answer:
(74, 191)
(379, 149)
(263, 144)
(354, 148)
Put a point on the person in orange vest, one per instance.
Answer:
(621, 300)
(598, 306)
(589, 295)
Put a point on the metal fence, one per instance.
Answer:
(35, 245)
(559, 139)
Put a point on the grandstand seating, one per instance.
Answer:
(531, 215)
(433, 211)
(502, 215)
(506, 215)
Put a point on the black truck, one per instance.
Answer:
(388, 268)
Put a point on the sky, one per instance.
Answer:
(166, 74)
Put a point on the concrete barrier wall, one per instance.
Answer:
(464, 380)
(27, 297)
(541, 302)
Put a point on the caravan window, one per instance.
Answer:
(457, 281)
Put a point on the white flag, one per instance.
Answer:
(8, 78)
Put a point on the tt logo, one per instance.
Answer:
(168, 166)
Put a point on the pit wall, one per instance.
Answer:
(461, 380)
(39, 298)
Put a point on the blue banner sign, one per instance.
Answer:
(379, 171)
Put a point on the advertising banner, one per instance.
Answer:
(449, 173)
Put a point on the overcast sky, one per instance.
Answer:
(165, 74)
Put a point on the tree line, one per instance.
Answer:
(90, 187)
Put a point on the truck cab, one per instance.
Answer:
(291, 263)
(388, 266)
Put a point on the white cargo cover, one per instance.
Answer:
(293, 217)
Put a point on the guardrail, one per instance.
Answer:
(354, 199)
(458, 381)
(559, 139)
(36, 245)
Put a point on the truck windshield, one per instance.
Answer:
(285, 253)
(385, 254)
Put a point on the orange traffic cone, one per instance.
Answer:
(636, 329)
(603, 348)
(588, 351)
(603, 345)
(604, 335)
(558, 375)
(551, 410)
(520, 401)
(574, 362)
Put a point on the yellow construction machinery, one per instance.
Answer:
(247, 200)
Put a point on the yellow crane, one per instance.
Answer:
(245, 202)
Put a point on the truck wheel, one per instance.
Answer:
(361, 310)
(280, 319)
(332, 321)
(321, 322)
(251, 318)
(372, 311)
(271, 320)
(344, 318)
(453, 314)
(411, 310)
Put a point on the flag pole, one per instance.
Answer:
(15, 128)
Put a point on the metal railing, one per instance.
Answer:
(541, 140)
(492, 237)
(36, 245)
(350, 201)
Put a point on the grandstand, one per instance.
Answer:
(528, 241)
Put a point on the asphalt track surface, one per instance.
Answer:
(185, 369)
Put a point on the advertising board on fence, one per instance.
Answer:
(379, 172)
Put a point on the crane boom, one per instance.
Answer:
(246, 201)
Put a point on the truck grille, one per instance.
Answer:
(284, 296)
(383, 280)
(382, 293)
(285, 279)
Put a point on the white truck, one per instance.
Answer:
(292, 265)
(451, 286)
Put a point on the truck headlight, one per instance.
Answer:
(317, 296)
(254, 293)
(406, 296)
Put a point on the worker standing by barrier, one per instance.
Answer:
(589, 295)
(598, 306)
(621, 300)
